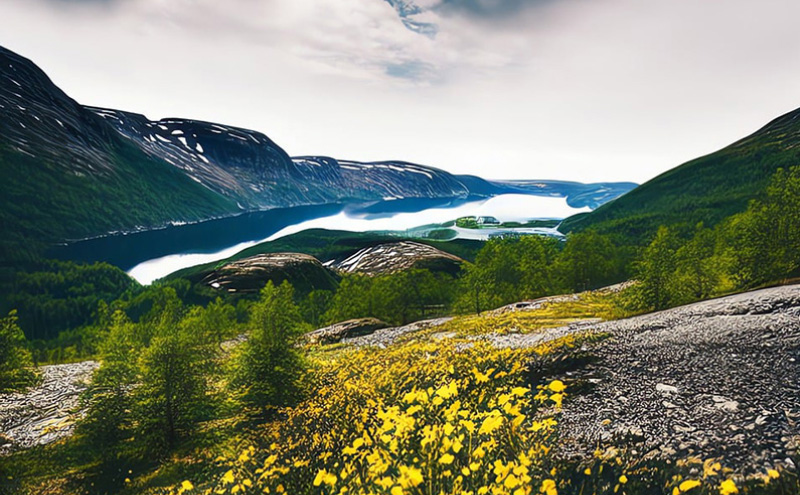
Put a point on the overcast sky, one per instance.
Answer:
(584, 90)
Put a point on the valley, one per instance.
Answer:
(185, 307)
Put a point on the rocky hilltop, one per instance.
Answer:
(396, 257)
(253, 273)
(718, 378)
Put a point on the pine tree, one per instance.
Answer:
(269, 368)
(656, 269)
(16, 364)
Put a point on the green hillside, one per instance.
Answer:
(707, 189)
(41, 202)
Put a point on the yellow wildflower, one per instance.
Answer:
(728, 487)
(410, 476)
(548, 487)
(688, 485)
(325, 477)
(228, 478)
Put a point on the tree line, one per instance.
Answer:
(681, 264)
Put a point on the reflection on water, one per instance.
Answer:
(153, 254)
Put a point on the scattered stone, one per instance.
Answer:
(689, 374)
(661, 387)
(728, 405)
(47, 412)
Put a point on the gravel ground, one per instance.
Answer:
(44, 413)
(387, 336)
(716, 378)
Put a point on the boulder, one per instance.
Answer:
(345, 329)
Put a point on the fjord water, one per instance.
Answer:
(152, 254)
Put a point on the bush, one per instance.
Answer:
(16, 365)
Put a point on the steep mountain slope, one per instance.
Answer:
(68, 174)
(707, 189)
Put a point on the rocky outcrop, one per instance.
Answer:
(397, 256)
(46, 412)
(388, 336)
(716, 378)
(345, 329)
(251, 274)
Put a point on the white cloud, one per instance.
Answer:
(570, 89)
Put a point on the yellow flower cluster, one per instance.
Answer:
(438, 417)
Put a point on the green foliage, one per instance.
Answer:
(765, 239)
(108, 402)
(655, 269)
(55, 296)
(589, 260)
(467, 223)
(699, 271)
(507, 270)
(156, 379)
(314, 305)
(708, 189)
(268, 367)
(173, 395)
(396, 298)
(758, 246)
(16, 365)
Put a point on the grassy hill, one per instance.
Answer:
(706, 189)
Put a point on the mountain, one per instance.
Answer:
(706, 190)
(72, 171)
(249, 168)
(66, 173)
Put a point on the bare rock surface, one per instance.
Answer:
(387, 336)
(252, 274)
(47, 412)
(397, 256)
(715, 378)
(345, 329)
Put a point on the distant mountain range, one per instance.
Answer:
(71, 171)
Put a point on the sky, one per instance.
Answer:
(586, 90)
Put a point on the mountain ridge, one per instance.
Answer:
(110, 170)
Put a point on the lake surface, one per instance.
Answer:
(153, 254)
